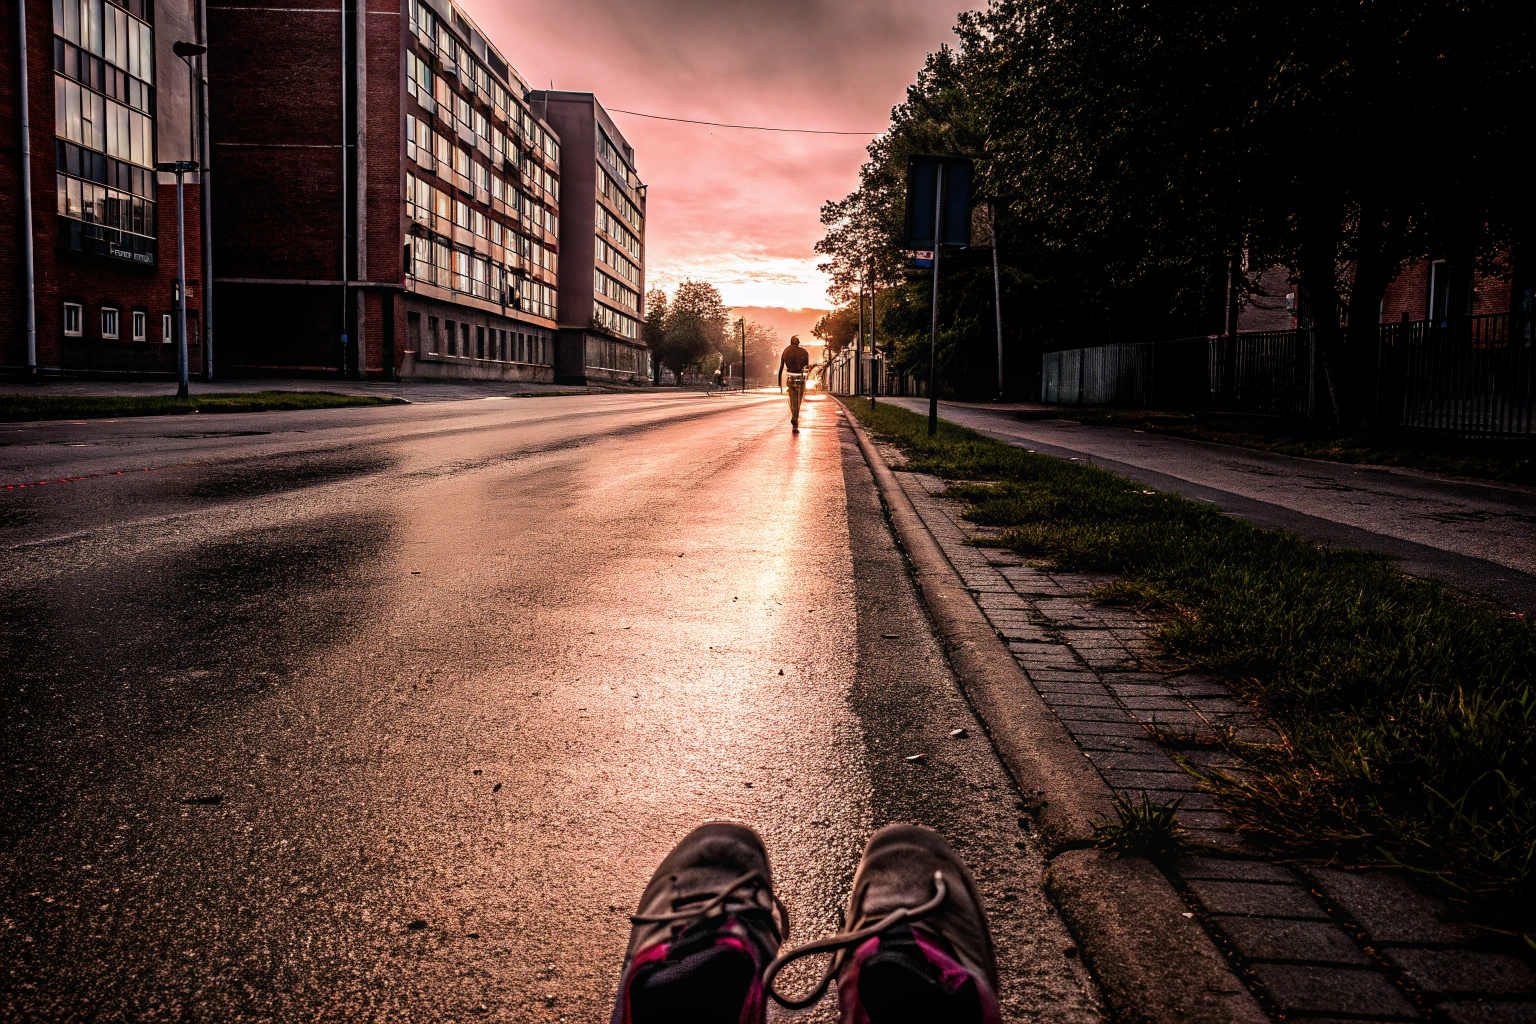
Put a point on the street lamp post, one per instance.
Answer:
(742, 323)
(180, 168)
(197, 114)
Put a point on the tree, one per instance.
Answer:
(656, 329)
(695, 326)
(763, 348)
(1135, 150)
(836, 329)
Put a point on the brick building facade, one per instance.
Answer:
(107, 100)
(387, 201)
(1422, 290)
(1437, 289)
(602, 292)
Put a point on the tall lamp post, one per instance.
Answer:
(197, 115)
(180, 168)
(742, 323)
(186, 51)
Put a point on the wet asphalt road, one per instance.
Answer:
(1477, 535)
(388, 714)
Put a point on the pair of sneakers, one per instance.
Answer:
(706, 944)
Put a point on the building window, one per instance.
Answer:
(167, 331)
(461, 261)
(464, 338)
(72, 319)
(140, 325)
(431, 334)
(104, 101)
(108, 322)
(480, 342)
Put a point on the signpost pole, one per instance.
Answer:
(933, 327)
(997, 293)
(875, 377)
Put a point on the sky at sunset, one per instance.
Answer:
(737, 208)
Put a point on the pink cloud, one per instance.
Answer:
(742, 205)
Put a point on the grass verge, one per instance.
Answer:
(1408, 706)
(1508, 459)
(15, 408)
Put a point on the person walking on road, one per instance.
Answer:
(794, 359)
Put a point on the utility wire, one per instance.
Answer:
(745, 127)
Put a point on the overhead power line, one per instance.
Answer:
(743, 127)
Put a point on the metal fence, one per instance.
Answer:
(1145, 374)
(1266, 372)
(1473, 375)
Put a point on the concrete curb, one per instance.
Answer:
(1154, 964)
(1065, 793)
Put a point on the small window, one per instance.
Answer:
(72, 319)
(453, 337)
(431, 334)
(109, 323)
(167, 331)
(140, 325)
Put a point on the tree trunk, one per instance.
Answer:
(1318, 273)
(1375, 267)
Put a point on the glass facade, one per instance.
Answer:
(104, 126)
(480, 191)
(618, 248)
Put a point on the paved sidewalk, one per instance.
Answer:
(1314, 942)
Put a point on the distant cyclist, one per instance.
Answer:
(794, 359)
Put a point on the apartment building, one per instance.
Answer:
(387, 201)
(106, 100)
(602, 289)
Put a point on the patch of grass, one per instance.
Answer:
(1409, 707)
(1509, 459)
(1143, 828)
(14, 408)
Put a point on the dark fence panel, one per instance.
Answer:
(1266, 372)
(1473, 375)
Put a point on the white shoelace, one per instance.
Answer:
(844, 941)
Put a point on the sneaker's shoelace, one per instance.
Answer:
(843, 942)
(716, 904)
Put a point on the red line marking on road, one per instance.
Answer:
(71, 479)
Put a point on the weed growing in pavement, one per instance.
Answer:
(1142, 828)
(1408, 706)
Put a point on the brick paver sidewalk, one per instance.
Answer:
(1319, 943)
